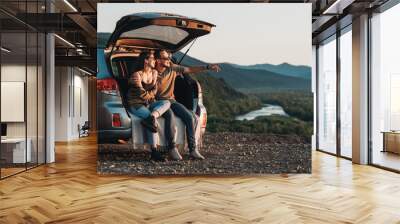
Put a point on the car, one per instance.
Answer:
(133, 34)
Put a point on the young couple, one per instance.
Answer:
(151, 95)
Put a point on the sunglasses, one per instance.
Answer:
(165, 58)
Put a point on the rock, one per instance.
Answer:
(229, 153)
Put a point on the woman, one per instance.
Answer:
(142, 88)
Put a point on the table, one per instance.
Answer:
(391, 141)
(13, 150)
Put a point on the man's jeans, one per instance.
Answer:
(143, 112)
(187, 117)
(170, 128)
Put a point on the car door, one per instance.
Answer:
(139, 31)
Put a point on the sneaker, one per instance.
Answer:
(174, 154)
(122, 141)
(195, 154)
(157, 156)
(150, 123)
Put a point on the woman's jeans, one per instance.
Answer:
(145, 111)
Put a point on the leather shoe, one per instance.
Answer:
(195, 154)
(174, 154)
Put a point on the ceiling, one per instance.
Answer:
(76, 20)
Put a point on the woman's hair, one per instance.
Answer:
(141, 59)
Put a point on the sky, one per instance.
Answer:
(245, 33)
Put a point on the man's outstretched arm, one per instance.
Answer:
(197, 69)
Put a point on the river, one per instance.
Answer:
(266, 110)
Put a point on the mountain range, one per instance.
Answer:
(250, 78)
(287, 69)
(258, 77)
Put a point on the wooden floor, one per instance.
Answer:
(10, 171)
(70, 191)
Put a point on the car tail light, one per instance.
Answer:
(108, 85)
(116, 120)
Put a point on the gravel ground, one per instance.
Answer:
(226, 154)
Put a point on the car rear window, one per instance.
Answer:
(167, 34)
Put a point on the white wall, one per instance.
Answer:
(14, 72)
(62, 81)
(71, 94)
(34, 123)
(81, 104)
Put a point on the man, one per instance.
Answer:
(167, 72)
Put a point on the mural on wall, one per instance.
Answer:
(204, 91)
